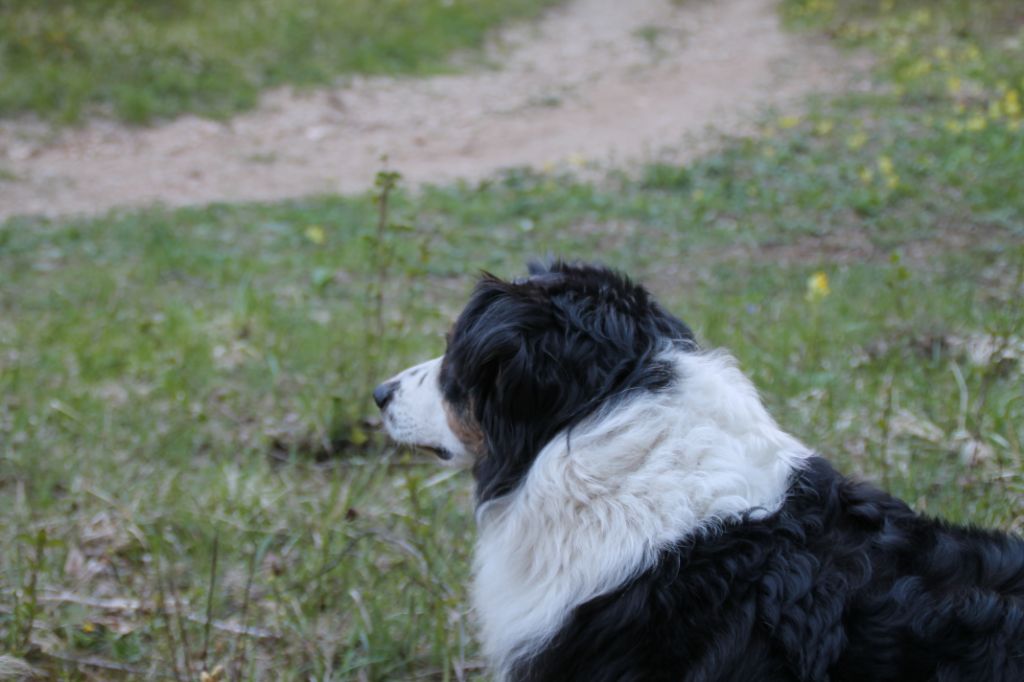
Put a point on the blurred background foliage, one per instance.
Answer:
(142, 59)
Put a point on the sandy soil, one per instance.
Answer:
(596, 80)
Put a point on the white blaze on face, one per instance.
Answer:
(416, 415)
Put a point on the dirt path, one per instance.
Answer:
(601, 80)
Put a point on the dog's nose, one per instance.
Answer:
(383, 394)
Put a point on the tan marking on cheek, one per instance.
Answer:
(466, 430)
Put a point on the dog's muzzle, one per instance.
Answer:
(413, 411)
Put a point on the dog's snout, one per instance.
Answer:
(383, 394)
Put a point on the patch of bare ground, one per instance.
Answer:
(854, 245)
(597, 80)
(850, 246)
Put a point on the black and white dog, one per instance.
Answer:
(642, 517)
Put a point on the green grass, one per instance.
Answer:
(172, 382)
(144, 59)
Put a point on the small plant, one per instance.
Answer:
(26, 599)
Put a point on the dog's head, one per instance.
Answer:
(527, 360)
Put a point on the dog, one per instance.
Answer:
(641, 516)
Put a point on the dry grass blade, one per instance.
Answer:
(209, 601)
(131, 606)
(104, 664)
(12, 668)
(165, 615)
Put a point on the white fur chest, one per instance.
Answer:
(599, 504)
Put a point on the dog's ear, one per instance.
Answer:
(494, 344)
(501, 364)
(556, 265)
(539, 266)
(542, 266)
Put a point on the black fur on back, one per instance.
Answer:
(843, 583)
(531, 358)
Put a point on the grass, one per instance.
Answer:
(146, 59)
(186, 435)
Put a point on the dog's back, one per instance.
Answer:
(844, 582)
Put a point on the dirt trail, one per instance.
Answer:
(596, 80)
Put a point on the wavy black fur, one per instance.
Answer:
(843, 583)
(528, 359)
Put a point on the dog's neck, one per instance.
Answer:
(601, 502)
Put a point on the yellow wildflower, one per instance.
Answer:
(316, 234)
(888, 170)
(954, 85)
(976, 123)
(866, 175)
(922, 17)
(921, 67)
(88, 628)
(824, 128)
(954, 126)
(995, 109)
(820, 6)
(787, 122)
(885, 165)
(857, 140)
(817, 287)
(1011, 104)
